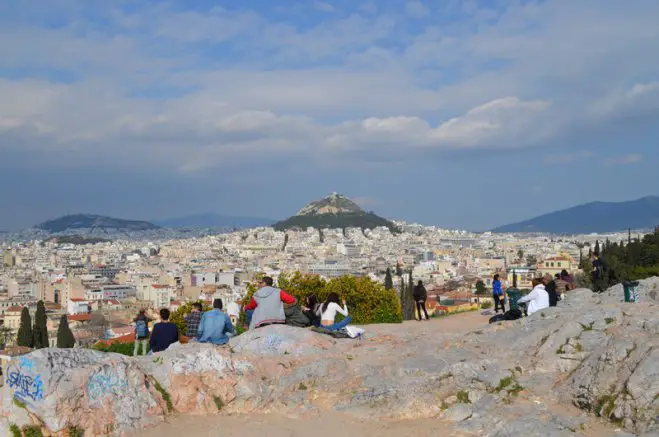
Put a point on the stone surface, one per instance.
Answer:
(524, 377)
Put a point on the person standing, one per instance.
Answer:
(164, 333)
(141, 332)
(420, 295)
(193, 319)
(328, 311)
(215, 326)
(597, 273)
(497, 295)
(268, 305)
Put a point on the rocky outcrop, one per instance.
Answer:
(527, 377)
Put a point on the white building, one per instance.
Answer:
(22, 290)
(348, 248)
(78, 306)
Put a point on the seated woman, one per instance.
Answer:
(328, 310)
(310, 309)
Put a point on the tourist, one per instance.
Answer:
(550, 288)
(193, 319)
(497, 295)
(537, 299)
(310, 309)
(562, 286)
(164, 333)
(215, 326)
(597, 275)
(141, 332)
(420, 295)
(565, 276)
(268, 305)
(328, 311)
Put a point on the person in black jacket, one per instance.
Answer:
(420, 295)
(164, 333)
(550, 288)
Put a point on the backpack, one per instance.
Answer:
(141, 329)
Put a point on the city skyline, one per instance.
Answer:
(471, 115)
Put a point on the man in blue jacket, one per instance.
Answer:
(215, 325)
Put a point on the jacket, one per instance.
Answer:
(537, 299)
(164, 334)
(268, 306)
(496, 288)
(214, 327)
(420, 293)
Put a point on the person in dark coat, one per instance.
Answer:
(550, 288)
(164, 333)
(420, 295)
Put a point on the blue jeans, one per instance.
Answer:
(342, 324)
(248, 316)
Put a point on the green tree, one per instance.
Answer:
(40, 330)
(25, 330)
(388, 281)
(178, 316)
(520, 255)
(481, 290)
(597, 247)
(531, 260)
(65, 338)
(7, 335)
(407, 297)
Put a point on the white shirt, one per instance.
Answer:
(332, 309)
(538, 299)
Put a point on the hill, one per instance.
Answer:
(334, 211)
(593, 217)
(92, 221)
(213, 220)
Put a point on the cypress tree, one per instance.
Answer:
(40, 331)
(597, 248)
(65, 338)
(388, 281)
(24, 337)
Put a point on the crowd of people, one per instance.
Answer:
(269, 305)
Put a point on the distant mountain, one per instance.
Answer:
(593, 217)
(91, 221)
(213, 220)
(334, 211)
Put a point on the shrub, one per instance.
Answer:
(368, 301)
(119, 348)
(486, 305)
(178, 316)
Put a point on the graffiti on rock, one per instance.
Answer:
(26, 387)
(26, 363)
(104, 384)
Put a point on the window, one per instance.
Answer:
(559, 264)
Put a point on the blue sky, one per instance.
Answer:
(459, 113)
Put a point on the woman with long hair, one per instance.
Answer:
(328, 311)
(497, 295)
(310, 309)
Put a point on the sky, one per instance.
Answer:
(458, 113)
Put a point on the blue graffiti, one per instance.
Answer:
(26, 386)
(26, 363)
(101, 385)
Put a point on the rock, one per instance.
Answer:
(458, 413)
(279, 340)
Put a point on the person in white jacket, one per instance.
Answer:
(537, 299)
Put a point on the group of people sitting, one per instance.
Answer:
(547, 292)
(269, 305)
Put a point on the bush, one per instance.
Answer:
(119, 348)
(486, 305)
(178, 316)
(368, 301)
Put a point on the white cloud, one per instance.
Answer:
(323, 6)
(416, 9)
(625, 160)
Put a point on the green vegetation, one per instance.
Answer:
(219, 403)
(481, 290)
(178, 316)
(165, 395)
(24, 337)
(504, 383)
(463, 397)
(587, 327)
(605, 406)
(120, 348)
(75, 431)
(15, 430)
(609, 320)
(40, 330)
(388, 280)
(363, 220)
(32, 431)
(19, 403)
(486, 305)
(65, 338)
(510, 385)
(302, 386)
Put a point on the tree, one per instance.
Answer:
(7, 335)
(481, 290)
(399, 270)
(65, 338)
(40, 330)
(531, 260)
(597, 248)
(520, 255)
(407, 298)
(25, 330)
(388, 281)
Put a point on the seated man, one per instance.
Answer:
(215, 326)
(164, 333)
(537, 299)
(268, 305)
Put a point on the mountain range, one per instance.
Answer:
(334, 211)
(213, 220)
(597, 217)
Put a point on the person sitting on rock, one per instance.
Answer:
(215, 326)
(193, 319)
(537, 299)
(328, 312)
(551, 289)
(164, 333)
(268, 305)
(310, 309)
